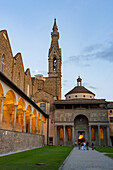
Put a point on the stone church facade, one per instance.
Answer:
(79, 114)
(81, 117)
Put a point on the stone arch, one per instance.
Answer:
(27, 119)
(34, 120)
(81, 127)
(9, 110)
(20, 115)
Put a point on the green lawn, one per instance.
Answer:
(53, 156)
(104, 149)
(110, 155)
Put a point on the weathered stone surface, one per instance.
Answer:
(11, 141)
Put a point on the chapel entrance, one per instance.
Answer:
(81, 136)
(81, 128)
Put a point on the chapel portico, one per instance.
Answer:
(83, 116)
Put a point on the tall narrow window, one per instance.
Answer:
(101, 134)
(61, 133)
(54, 64)
(69, 134)
(18, 80)
(93, 134)
(2, 63)
(28, 90)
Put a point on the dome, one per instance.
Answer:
(80, 91)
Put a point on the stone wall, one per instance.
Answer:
(18, 71)
(11, 141)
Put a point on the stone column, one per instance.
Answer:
(90, 140)
(104, 135)
(99, 135)
(36, 124)
(24, 112)
(108, 136)
(30, 122)
(73, 136)
(64, 135)
(56, 135)
(1, 113)
(15, 113)
(39, 126)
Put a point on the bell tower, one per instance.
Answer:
(54, 54)
(55, 60)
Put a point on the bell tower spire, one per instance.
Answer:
(54, 36)
(54, 53)
(54, 58)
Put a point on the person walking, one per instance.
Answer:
(92, 146)
(79, 145)
(84, 144)
(87, 144)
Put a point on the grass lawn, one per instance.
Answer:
(110, 155)
(53, 156)
(104, 149)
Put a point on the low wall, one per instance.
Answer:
(11, 141)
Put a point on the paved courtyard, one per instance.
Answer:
(87, 160)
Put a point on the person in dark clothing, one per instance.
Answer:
(92, 146)
(87, 144)
(79, 145)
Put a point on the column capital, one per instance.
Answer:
(2, 98)
(16, 105)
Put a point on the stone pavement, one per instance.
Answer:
(87, 160)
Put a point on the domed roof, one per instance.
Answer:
(79, 89)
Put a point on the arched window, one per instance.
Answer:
(2, 62)
(101, 134)
(93, 134)
(43, 106)
(69, 134)
(54, 64)
(61, 133)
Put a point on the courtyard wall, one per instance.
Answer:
(11, 141)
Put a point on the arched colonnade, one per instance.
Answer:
(17, 114)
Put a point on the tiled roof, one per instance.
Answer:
(81, 101)
(79, 89)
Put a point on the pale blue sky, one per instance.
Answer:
(86, 39)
